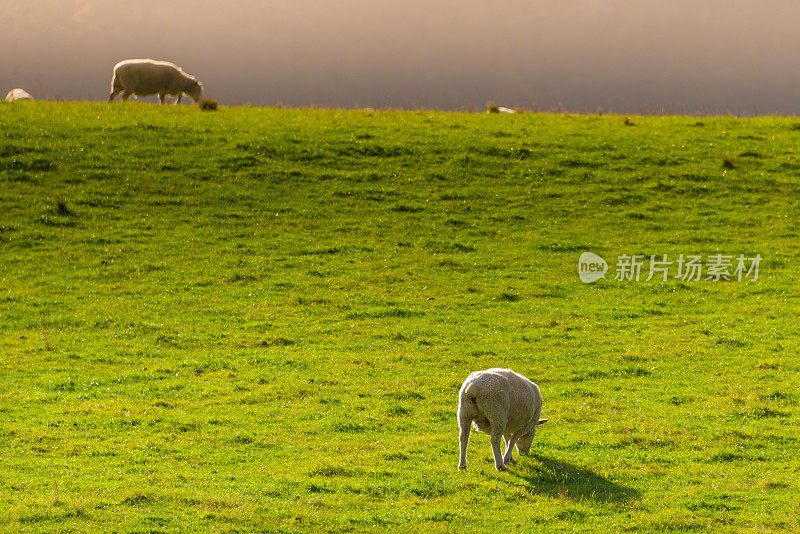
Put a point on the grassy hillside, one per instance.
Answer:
(259, 319)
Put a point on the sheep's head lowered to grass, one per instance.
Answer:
(207, 104)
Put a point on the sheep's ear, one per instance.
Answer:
(542, 421)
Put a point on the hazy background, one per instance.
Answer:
(679, 56)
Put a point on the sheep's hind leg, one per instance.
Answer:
(511, 440)
(464, 426)
(497, 435)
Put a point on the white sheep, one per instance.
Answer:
(500, 403)
(18, 94)
(143, 77)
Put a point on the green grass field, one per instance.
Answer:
(259, 319)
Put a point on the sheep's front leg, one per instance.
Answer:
(510, 442)
(178, 101)
(497, 435)
(465, 427)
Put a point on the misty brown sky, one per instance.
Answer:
(679, 56)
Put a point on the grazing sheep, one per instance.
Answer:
(18, 94)
(500, 403)
(491, 108)
(144, 77)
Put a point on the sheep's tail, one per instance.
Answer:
(471, 395)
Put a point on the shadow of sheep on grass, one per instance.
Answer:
(561, 480)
